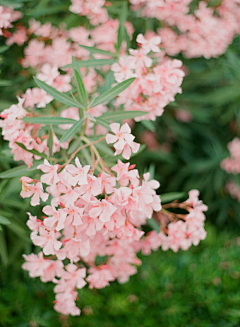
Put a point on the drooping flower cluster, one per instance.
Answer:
(14, 129)
(88, 217)
(232, 163)
(156, 83)
(178, 231)
(205, 31)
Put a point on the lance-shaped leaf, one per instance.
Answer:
(50, 141)
(92, 63)
(99, 51)
(72, 131)
(4, 221)
(19, 171)
(35, 152)
(113, 92)
(120, 115)
(58, 95)
(103, 123)
(89, 116)
(122, 33)
(49, 120)
(170, 197)
(82, 93)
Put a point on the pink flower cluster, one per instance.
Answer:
(7, 16)
(232, 164)
(92, 9)
(157, 82)
(14, 129)
(182, 233)
(207, 31)
(88, 217)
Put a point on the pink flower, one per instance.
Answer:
(51, 176)
(48, 73)
(150, 44)
(78, 174)
(102, 209)
(57, 217)
(124, 69)
(124, 140)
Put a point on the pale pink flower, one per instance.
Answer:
(48, 73)
(78, 174)
(102, 209)
(123, 140)
(149, 44)
(50, 175)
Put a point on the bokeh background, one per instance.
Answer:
(200, 287)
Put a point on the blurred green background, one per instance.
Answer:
(199, 287)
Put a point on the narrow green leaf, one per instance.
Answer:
(3, 249)
(3, 48)
(113, 92)
(58, 95)
(120, 115)
(49, 120)
(89, 116)
(103, 123)
(50, 140)
(170, 197)
(153, 224)
(19, 171)
(109, 80)
(92, 63)
(149, 125)
(95, 50)
(5, 82)
(122, 30)
(4, 221)
(72, 131)
(35, 152)
(81, 88)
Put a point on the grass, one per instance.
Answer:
(199, 288)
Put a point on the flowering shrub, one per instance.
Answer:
(75, 132)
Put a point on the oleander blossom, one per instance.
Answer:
(232, 163)
(158, 79)
(98, 216)
(123, 140)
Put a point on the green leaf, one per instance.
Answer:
(79, 81)
(153, 224)
(3, 249)
(3, 48)
(122, 29)
(50, 141)
(4, 221)
(58, 95)
(49, 120)
(103, 123)
(99, 51)
(120, 115)
(35, 152)
(89, 116)
(149, 125)
(113, 92)
(109, 80)
(170, 197)
(92, 63)
(72, 131)
(5, 82)
(19, 171)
